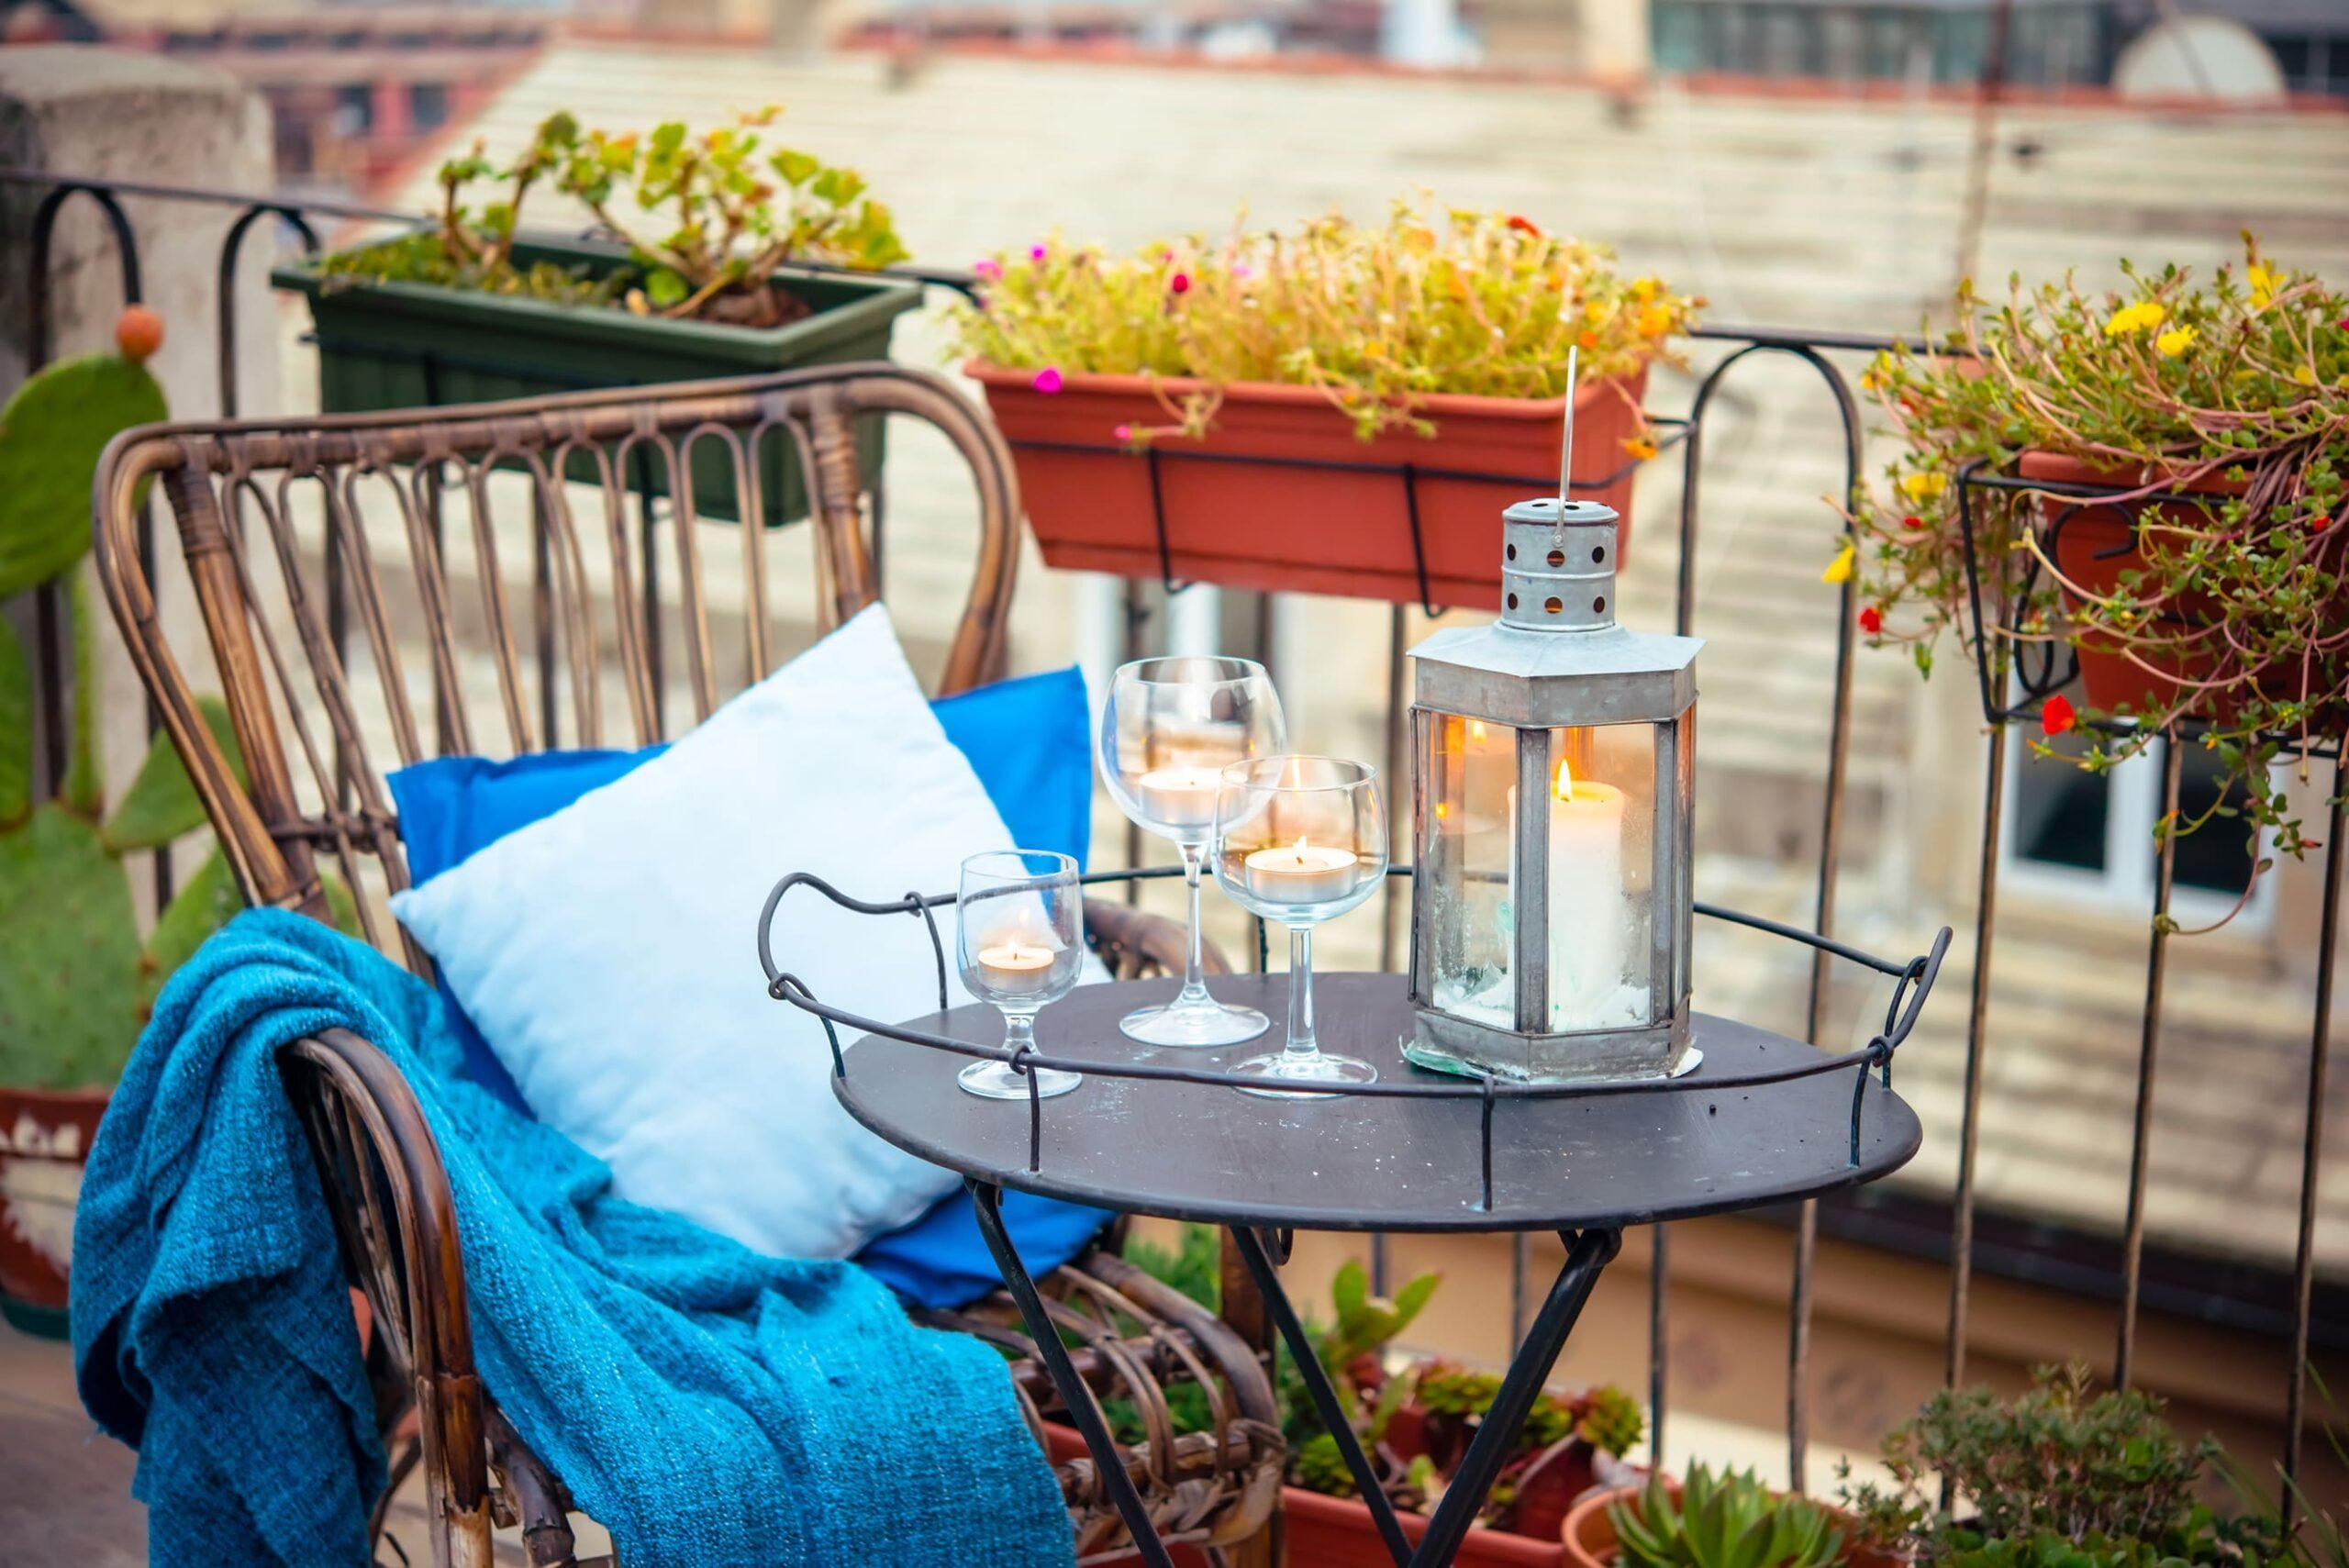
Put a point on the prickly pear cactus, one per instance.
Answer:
(76, 980)
(50, 434)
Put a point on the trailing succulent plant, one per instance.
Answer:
(76, 981)
(1724, 1519)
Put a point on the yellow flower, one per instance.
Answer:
(1644, 290)
(1640, 449)
(1840, 568)
(1655, 320)
(2265, 281)
(1593, 311)
(2304, 376)
(2137, 317)
(2173, 342)
(1924, 486)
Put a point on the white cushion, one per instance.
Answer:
(607, 951)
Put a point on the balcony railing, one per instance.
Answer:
(1956, 1231)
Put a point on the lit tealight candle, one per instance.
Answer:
(1015, 968)
(1301, 873)
(1179, 796)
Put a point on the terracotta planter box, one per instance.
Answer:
(1277, 525)
(1337, 1533)
(2092, 545)
(44, 1137)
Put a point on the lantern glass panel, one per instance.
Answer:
(1601, 835)
(1469, 767)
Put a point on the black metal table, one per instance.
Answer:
(1418, 1151)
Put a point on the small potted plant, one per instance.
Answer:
(76, 979)
(1334, 408)
(2061, 1474)
(701, 281)
(2185, 547)
(1724, 1518)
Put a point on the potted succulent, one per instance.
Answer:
(1414, 1422)
(1316, 398)
(702, 281)
(76, 982)
(1724, 1518)
(2186, 549)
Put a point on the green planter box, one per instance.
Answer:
(415, 346)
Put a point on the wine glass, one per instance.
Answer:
(1300, 840)
(1019, 938)
(1170, 728)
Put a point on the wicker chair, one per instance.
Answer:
(323, 558)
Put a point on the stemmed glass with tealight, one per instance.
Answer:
(1019, 938)
(1300, 840)
(1169, 728)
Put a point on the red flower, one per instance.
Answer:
(1179, 284)
(1872, 620)
(1912, 522)
(1525, 226)
(2056, 716)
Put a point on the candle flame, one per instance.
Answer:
(1566, 786)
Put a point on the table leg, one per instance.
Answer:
(1335, 1418)
(986, 1204)
(1586, 1253)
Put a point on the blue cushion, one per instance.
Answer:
(1028, 741)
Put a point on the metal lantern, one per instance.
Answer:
(1552, 766)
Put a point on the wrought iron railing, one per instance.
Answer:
(1819, 351)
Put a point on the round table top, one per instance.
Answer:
(1207, 1153)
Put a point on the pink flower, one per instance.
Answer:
(1038, 252)
(988, 269)
(1179, 284)
(1241, 269)
(1048, 380)
(1123, 432)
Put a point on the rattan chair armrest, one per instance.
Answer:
(1135, 943)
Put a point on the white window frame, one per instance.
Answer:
(2126, 882)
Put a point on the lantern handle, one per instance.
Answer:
(1567, 446)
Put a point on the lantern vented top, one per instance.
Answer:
(1558, 565)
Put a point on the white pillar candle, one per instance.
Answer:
(1588, 923)
(1301, 873)
(1015, 968)
(1179, 796)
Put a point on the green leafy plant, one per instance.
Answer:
(1379, 316)
(2231, 387)
(710, 219)
(2101, 1472)
(1723, 1519)
(76, 981)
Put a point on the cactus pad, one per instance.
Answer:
(70, 1008)
(50, 434)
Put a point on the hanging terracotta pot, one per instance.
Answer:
(1280, 495)
(44, 1137)
(2092, 544)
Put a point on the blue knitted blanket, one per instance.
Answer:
(713, 1408)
